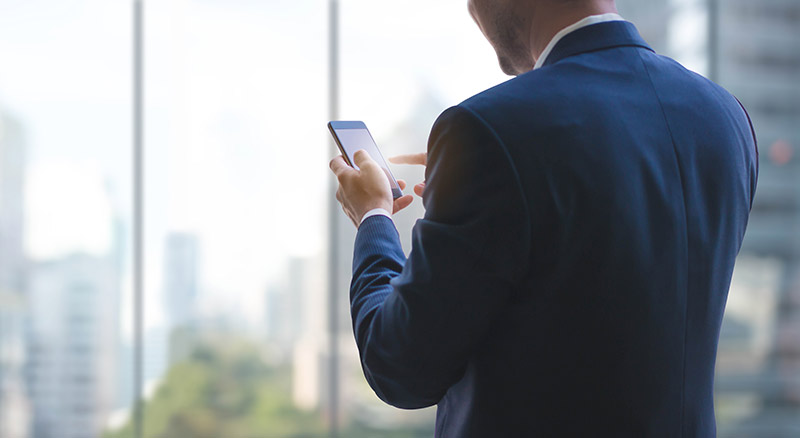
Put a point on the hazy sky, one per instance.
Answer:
(236, 106)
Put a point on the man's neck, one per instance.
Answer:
(551, 18)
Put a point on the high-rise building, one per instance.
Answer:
(758, 59)
(302, 328)
(651, 18)
(170, 343)
(408, 137)
(181, 257)
(12, 168)
(157, 355)
(755, 53)
(753, 50)
(72, 345)
(14, 405)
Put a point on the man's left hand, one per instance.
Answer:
(366, 189)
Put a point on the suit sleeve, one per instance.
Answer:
(417, 322)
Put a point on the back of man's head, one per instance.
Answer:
(520, 29)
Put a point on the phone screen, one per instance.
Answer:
(354, 139)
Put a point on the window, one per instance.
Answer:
(237, 317)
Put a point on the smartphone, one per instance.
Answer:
(352, 136)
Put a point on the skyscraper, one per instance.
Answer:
(72, 345)
(14, 406)
(651, 18)
(170, 343)
(300, 323)
(759, 61)
(408, 137)
(753, 50)
(12, 168)
(181, 255)
(756, 55)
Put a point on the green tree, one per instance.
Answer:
(225, 389)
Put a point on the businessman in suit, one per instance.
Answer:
(582, 220)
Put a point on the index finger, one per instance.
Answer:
(339, 166)
(420, 158)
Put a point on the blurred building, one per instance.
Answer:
(759, 61)
(285, 313)
(14, 405)
(756, 55)
(157, 356)
(651, 18)
(301, 328)
(171, 342)
(753, 50)
(675, 28)
(181, 257)
(296, 327)
(408, 137)
(12, 180)
(72, 345)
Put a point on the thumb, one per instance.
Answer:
(362, 158)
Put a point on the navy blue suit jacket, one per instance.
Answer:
(571, 271)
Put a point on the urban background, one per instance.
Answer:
(245, 327)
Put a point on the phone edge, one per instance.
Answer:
(397, 192)
(339, 144)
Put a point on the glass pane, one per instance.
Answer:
(400, 70)
(236, 169)
(64, 217)
(752, 48)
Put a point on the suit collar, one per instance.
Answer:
(597, 37)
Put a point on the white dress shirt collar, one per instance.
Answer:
(588, 21)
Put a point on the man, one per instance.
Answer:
(582, 220)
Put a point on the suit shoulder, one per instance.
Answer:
(543, 92)
(536, 86)
(661, 65)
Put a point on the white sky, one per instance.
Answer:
(237, 147)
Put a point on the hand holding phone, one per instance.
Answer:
(352, 136)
